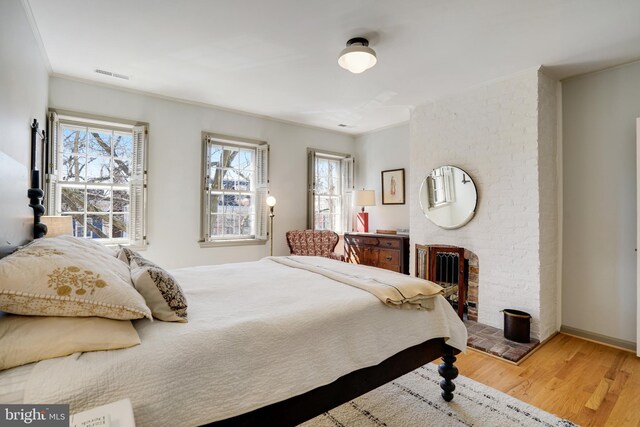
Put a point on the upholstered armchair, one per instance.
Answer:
(313, 243)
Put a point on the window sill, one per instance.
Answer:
(231, 242)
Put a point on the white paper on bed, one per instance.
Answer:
(258, 333)
(116, 414)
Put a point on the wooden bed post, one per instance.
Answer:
(35, 193)
(448, 372)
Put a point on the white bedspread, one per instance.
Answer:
(258, 333)
(13, 382)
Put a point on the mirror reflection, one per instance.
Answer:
(448, 197)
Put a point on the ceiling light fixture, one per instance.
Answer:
(357, 56)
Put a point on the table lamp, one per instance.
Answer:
(57, 225)
(364, 198)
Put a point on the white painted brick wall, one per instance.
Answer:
(548, 183)
(492, 133)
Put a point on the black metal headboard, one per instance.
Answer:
(35, 193)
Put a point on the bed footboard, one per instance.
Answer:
(298, 409)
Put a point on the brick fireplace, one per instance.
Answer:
(445, 273)
(473, 277)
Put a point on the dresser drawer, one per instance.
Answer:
(361, 241)
(382, 258)
(387, 256)
(389, 243)
(373, 241)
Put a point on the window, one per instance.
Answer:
(441, 184)
(97, 175)
(330, 191)
(235, 188)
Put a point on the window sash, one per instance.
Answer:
(339, 190)
(136, 185)
(256, 191)
(110, 213)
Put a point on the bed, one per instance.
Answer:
(261, 337)
(266, 344)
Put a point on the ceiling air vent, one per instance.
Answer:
(111, 74)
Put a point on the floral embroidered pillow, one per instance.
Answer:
(159, 288)
(66, 276)
(90, 245)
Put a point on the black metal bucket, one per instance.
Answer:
(517, 325)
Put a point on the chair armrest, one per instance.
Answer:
(336, 256)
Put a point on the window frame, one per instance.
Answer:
(346, 180)
(442, 189)
(260, 185)
(137, 179)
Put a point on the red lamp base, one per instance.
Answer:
(362, 222)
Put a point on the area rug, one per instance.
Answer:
(414, 400)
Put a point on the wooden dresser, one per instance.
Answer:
(388, 251)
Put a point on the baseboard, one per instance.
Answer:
(599, 339)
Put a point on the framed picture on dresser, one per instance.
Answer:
(393, 187)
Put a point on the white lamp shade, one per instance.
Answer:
(271, 201)
(365, 198)
(357, 58)
(57, 225)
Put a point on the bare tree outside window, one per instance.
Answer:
(94, 180)
(234, 190)
(231, 172)
(330, 184)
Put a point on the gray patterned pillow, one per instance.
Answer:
(159, 289)
(127, 255)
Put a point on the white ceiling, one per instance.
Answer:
(278, 58)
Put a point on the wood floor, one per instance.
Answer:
(587, 383)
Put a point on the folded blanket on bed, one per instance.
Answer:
(394, 289)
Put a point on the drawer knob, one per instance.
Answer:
(388, 258)
(388, 243)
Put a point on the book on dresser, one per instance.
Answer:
(387, 251)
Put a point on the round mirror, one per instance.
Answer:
(448, 197)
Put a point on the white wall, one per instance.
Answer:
(376, 152)
(23, 97)
(492, 132)
(175, 172)
(599, 227)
